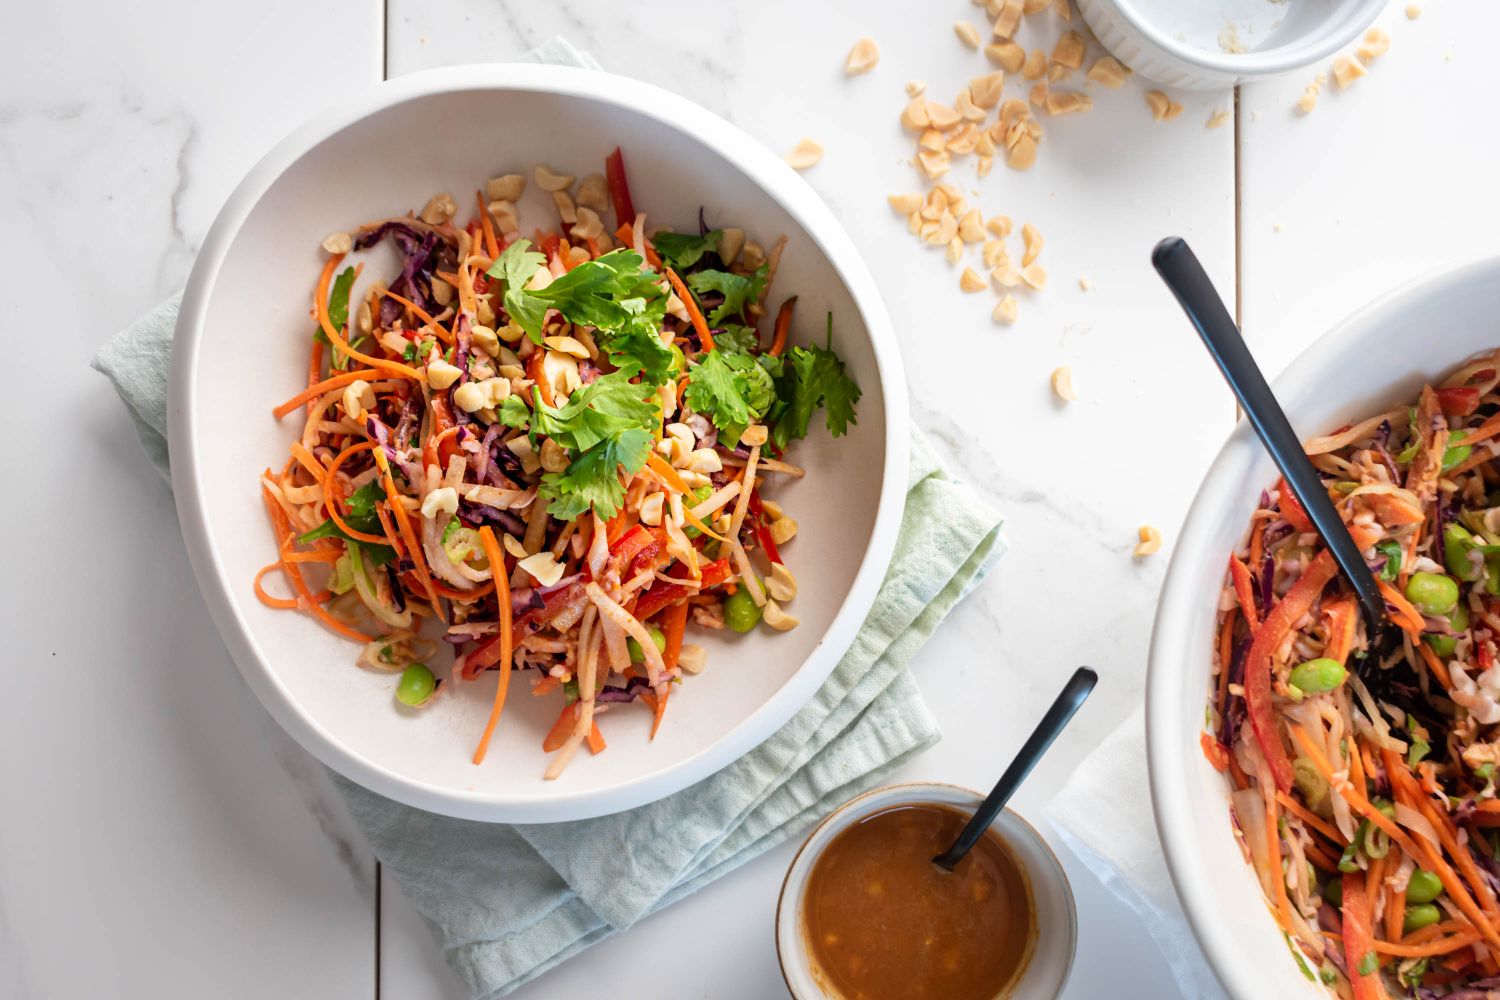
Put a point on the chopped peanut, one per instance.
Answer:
(1163, 108)
(915, 88)
(1000, 225)
(1007, 55)
(549, 180)
(336, 243)
(1346, 71)
(804, 155)
(1069, 50)
(970, 281)
(967, 33)
(1413, 12)
(955, 251)
(905, 203)
(1034, 275)
(1377, 43)
(1006, 310)
(984, 91)
(1008, 18)
(1149, 541)
(971, 226)
(1107, 72)
(862, 58)
(1035, 65)
(914, 116)
(1032, 237)
(941, 116)
(1067, 102)
(1218, 118)
(1062, 384)
(935, 164)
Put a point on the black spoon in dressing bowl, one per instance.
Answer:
(1058, 716)
(1184, 275)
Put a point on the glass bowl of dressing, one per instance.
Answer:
(865, 915)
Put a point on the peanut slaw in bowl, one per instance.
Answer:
(551, 455)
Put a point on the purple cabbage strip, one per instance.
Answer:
(1232, 713)
(1267, 593)
(629, 692)
(478, 513)
(397, 597)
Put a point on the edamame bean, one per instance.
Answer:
(1316, 676)
(699, 495)
(1419, 916)
(1458, 543)
(1458, 621)
(416, 685)
(637, 654)
(1432, 593)
(1455, 456)
(1423, 887)
(740, 612)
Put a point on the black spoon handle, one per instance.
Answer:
(1067, 703)
(1180, 269)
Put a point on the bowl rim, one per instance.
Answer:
(1170, 798)
(1267, 62)
(939, 793)
(763, 169)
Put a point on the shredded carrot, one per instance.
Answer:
(783, 326)
(333, 498)
(501, 578)
(1273, 848)
(537, 375)
(673, 627)
(1309, 819)
(308, 460)
(1226, 656)
(694, 313)
(306, 600)
(284, 603)
(546, 685)
(314, 367)
(1239, 573)
(1408, 617)
(1483, 432)
(672, 478)
(422, 315)
(413, 548)
(327, 385)
(1435, 665)
(626, 235)
(486, 226)
(321, 302)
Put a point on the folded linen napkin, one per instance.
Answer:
(509, 902)
(1104, 813)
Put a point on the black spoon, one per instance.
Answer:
(1180, 269)
(1071, 699)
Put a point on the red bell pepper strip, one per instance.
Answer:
(1359, 940)
(673, 628)
(1267, 640)
(1458, 401)
(619, 188)
(1291, 508)
(1244, 591)
(662, 594)
(762, 536)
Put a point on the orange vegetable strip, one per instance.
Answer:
(314, 391)
(427, 320)
(1483, 432)
(595, 738)
(501, 579)
(413, 548)
(1239, 573)
(314, 368)
(626, 235)
(670, 476)
(1342, 618)
(1439, 670)
(308, 460)
(284, 603)
(321, 302)
(691, 305)
(1359, 939)
(1273, 849)
(306, 600)
(1309, 819)
(674, 627)
(333, 499)
(1408, 617)
(491, 245)
(783, 326)
(1395, 914)
(1226, 655)
(546, 685)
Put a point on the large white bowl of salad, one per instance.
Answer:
(539, 440)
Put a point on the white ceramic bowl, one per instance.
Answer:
(1185, 43)
(241, 348)
(1376, 358)
(1051, 960)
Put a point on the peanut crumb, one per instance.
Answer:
(1007, 55)
(1218, 118)
(862, 58)
(955, 251)
(1377, 44)
(1034, 275)
(1413, 12)
(1163, 108)
(1006, 310)
(970, 281)
(1007, 19)
(1085, 284)
(916, 88)
(1107, 72)
(804, 155)
(1069, 50)
(967, 33)
(1032, 238)
(1346, 71)
(1062, 384)
(1067, 102)
(1148, 541)
(1035, 65)
(905, 203)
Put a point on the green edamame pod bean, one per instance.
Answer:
(1316, 676)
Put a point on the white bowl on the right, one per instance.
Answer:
(1379, 356)
(1192, 44)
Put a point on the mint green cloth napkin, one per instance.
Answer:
(509, 902)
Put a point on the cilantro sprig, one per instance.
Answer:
(738, 291)
(682, 250)
(361, 517)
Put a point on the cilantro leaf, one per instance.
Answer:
(642, 350)
(361, 517)
(338, 313)
(737, 339)
(514, 412)
(682, 251)
(732, 390)
(612, 294)
(592, 480)
(603, 409)
(813, 377)
(1391, 549)
(738, 291)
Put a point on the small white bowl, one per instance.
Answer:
(1186, 43)
(241, 347)
(1376, 358)
(1051, 959)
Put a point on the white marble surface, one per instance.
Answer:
(158, 835)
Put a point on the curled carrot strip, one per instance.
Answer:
(320, 301)
(498, 574)
(327, 385)
(284, 603)
(691, 305)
